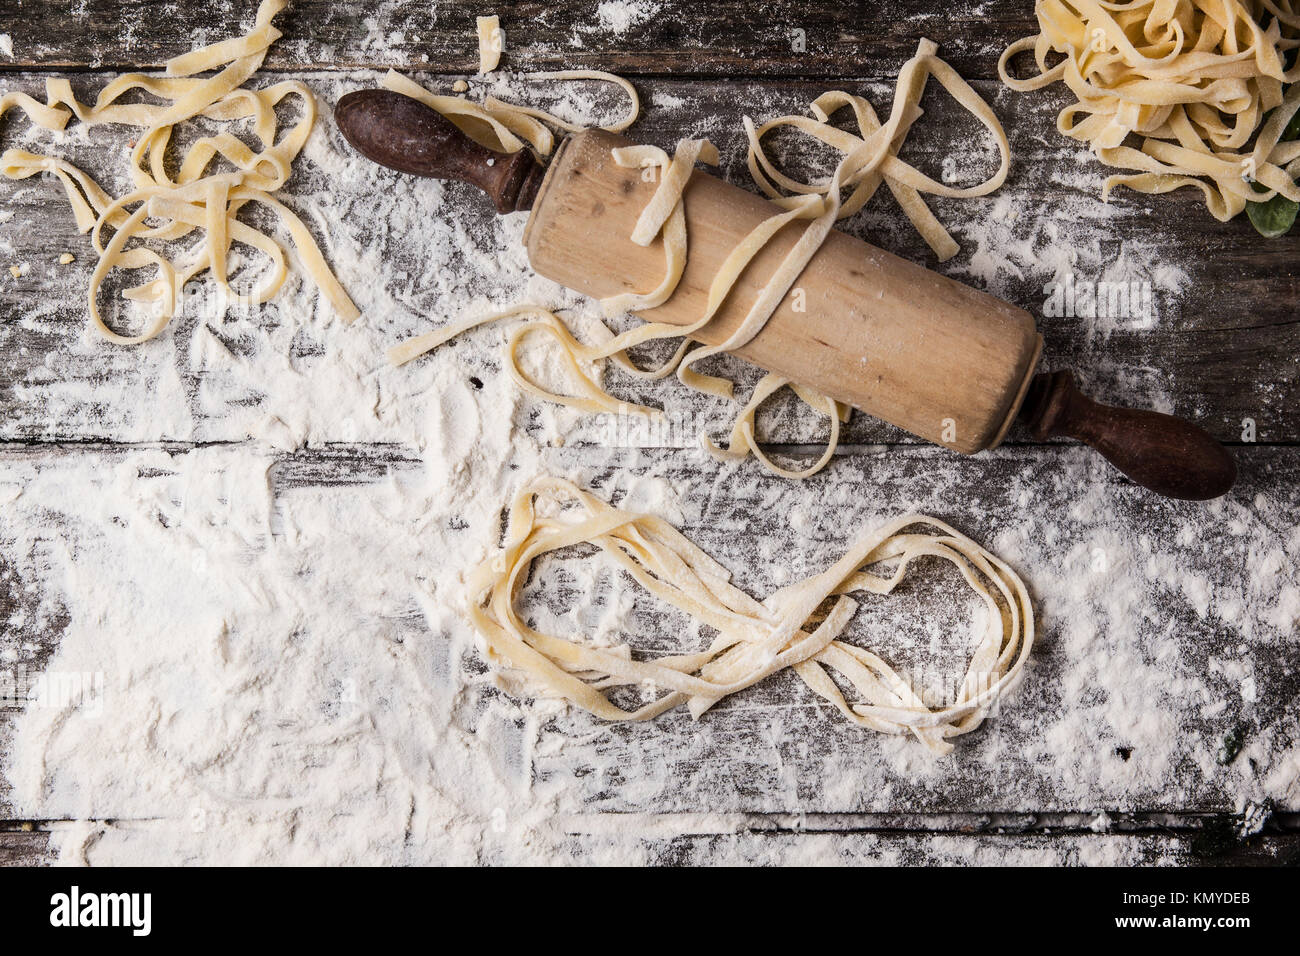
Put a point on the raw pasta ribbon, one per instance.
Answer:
(1203, 83)
(507, 127)
(163, 207)
(799, 627)
(870, 156)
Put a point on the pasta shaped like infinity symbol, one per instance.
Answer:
(755, 639)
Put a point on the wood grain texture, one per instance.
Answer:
(1223, 350)
(727, 38)
(1043, 839)
(1225, 347)
(24, 848)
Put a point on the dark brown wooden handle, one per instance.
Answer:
(1170, 456)
(403, 134)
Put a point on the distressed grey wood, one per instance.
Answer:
(725, 38)
(907, 841)
(857, 848)
(1225, 349)
(24, 848)
(743, 755)
(776, 750)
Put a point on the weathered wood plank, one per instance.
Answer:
(1055, 839)
(1125, 585)
(676, 842)
(1164, 677)
(896, 849)
(1221, 345)
(24, 848)
(638, 37)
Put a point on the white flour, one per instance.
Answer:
(619, 16)
(286, 673)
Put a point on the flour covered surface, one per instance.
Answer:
(170, 206)
(260, 534)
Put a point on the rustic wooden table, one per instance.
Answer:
(1224, 351)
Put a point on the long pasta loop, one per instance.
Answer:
(755, 639)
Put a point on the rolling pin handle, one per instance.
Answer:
(1169, 455)
(404, 134)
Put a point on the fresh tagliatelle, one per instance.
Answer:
(871, 154)
(868, 159)
(800, 626)
(506, 127)
(162, 207)
(1204, 83)
(491, 43)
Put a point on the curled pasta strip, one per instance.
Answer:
(85, 196)
(743, 443)
(755, 639)
(1202, 82)
(588, 396)
(564, 76)
(663, 213)
(168, 207)
(877, 148)
(868, 159)
(506, 127)
(47, 116)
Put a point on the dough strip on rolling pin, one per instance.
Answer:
(755, 639)
(868, 159)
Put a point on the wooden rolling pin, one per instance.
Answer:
(891, 338)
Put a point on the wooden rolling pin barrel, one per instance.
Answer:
(946, 362)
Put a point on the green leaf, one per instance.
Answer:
(1273, 218)
(1292, 128)
(1232, 743)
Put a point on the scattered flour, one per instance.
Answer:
(619, 16)
(1073, 239)
(270, 584)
